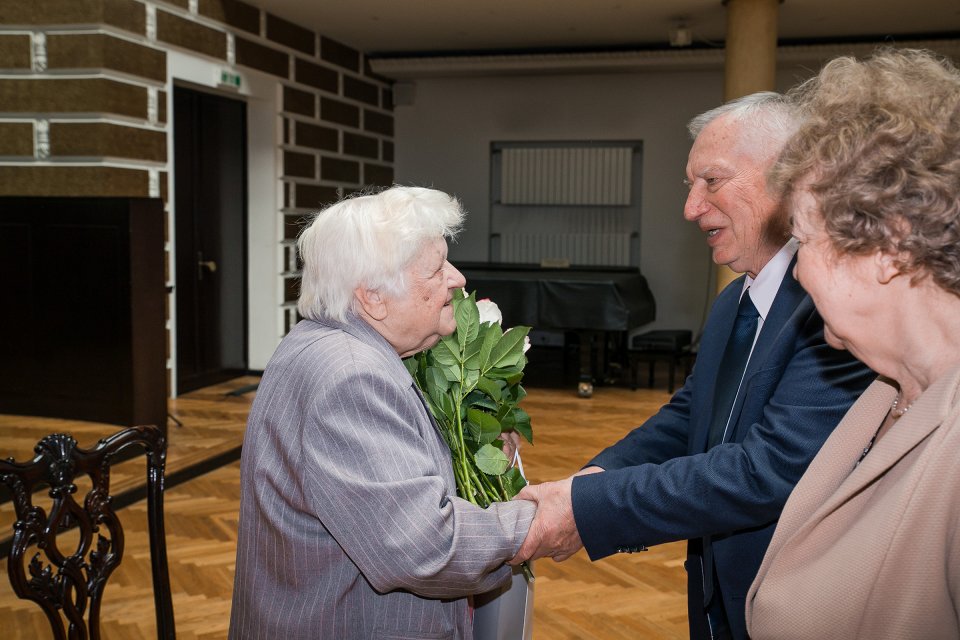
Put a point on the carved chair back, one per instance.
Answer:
(68, 583)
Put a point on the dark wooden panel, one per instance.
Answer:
(82, 334)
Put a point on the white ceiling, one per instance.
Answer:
(398, 27)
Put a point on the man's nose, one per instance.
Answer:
(695, 206)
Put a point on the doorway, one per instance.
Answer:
(210, 179)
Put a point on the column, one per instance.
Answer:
(751, 61)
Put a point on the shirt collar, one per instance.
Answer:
(763, 288)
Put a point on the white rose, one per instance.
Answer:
(489, 311)
(526, 343)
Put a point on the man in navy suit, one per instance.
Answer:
(721, 487)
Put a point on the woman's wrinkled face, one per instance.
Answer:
(421, 315)
(843, 287)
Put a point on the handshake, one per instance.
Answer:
(553, 532)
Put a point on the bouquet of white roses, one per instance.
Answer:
(471, 383)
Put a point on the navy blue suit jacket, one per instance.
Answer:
(661, 484)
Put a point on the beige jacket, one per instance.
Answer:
(871, 551)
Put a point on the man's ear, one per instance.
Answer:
(371, 301)
(887, 266)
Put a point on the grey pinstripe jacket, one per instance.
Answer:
(349, 524)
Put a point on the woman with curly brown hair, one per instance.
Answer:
(868, 545)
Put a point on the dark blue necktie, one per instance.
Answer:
(734, 361)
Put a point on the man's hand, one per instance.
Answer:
(553, 531)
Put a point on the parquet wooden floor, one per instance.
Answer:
(626, 596)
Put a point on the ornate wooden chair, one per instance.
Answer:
(68, 584)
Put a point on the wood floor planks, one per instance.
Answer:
(633, 596)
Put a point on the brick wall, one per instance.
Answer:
(84, 89)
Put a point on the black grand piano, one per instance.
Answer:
(592, 302)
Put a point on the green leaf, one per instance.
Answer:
(470, 378)
(506, 373)
(513, 482)
(436, 380)
(451, 373)
(491, 336)
(519, 420)
(491, 460)
(468, 320)
(487, 427)
(509, 349)
(412, 364)
(471, 355)
(479, 400)
(446, 352)
(489, 387)
(474, 430)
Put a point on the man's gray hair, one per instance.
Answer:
(773, 113)
(369, 240)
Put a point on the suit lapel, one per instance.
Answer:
(923, 418)
(788, 298)
(833, 479)
(707, 366)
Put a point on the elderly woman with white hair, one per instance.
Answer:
(349, 522)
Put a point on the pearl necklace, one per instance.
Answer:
(896, 410)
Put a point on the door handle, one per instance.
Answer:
(209, 265)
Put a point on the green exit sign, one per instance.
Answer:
(230, 79)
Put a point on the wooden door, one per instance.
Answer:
(211, 220)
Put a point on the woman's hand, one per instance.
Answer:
(511, 443)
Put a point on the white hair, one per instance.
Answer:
(369, 240)
(772, 118)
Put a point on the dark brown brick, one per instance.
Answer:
(361, 90)
(72, 181)
(299, 165)
(357, 145)
(386, 153)
(340, 112)
(296, 101)
(291, 289)
(286, 131)
(316, 76)
(101, 139)
(16, 139)
(263, 58)
(310, 196)
(286, 194)
(376, 174)
(125, 14)
(15, 52)
(338, 170)
(291, 35)
(377, 122)
(191, 35)
(232, 12)
(92, 95)
(315, 137)
(101, 51)
(183, 4)
(293, 225)
(386, 99)
(339, 54)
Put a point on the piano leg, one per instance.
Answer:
(588, 365)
